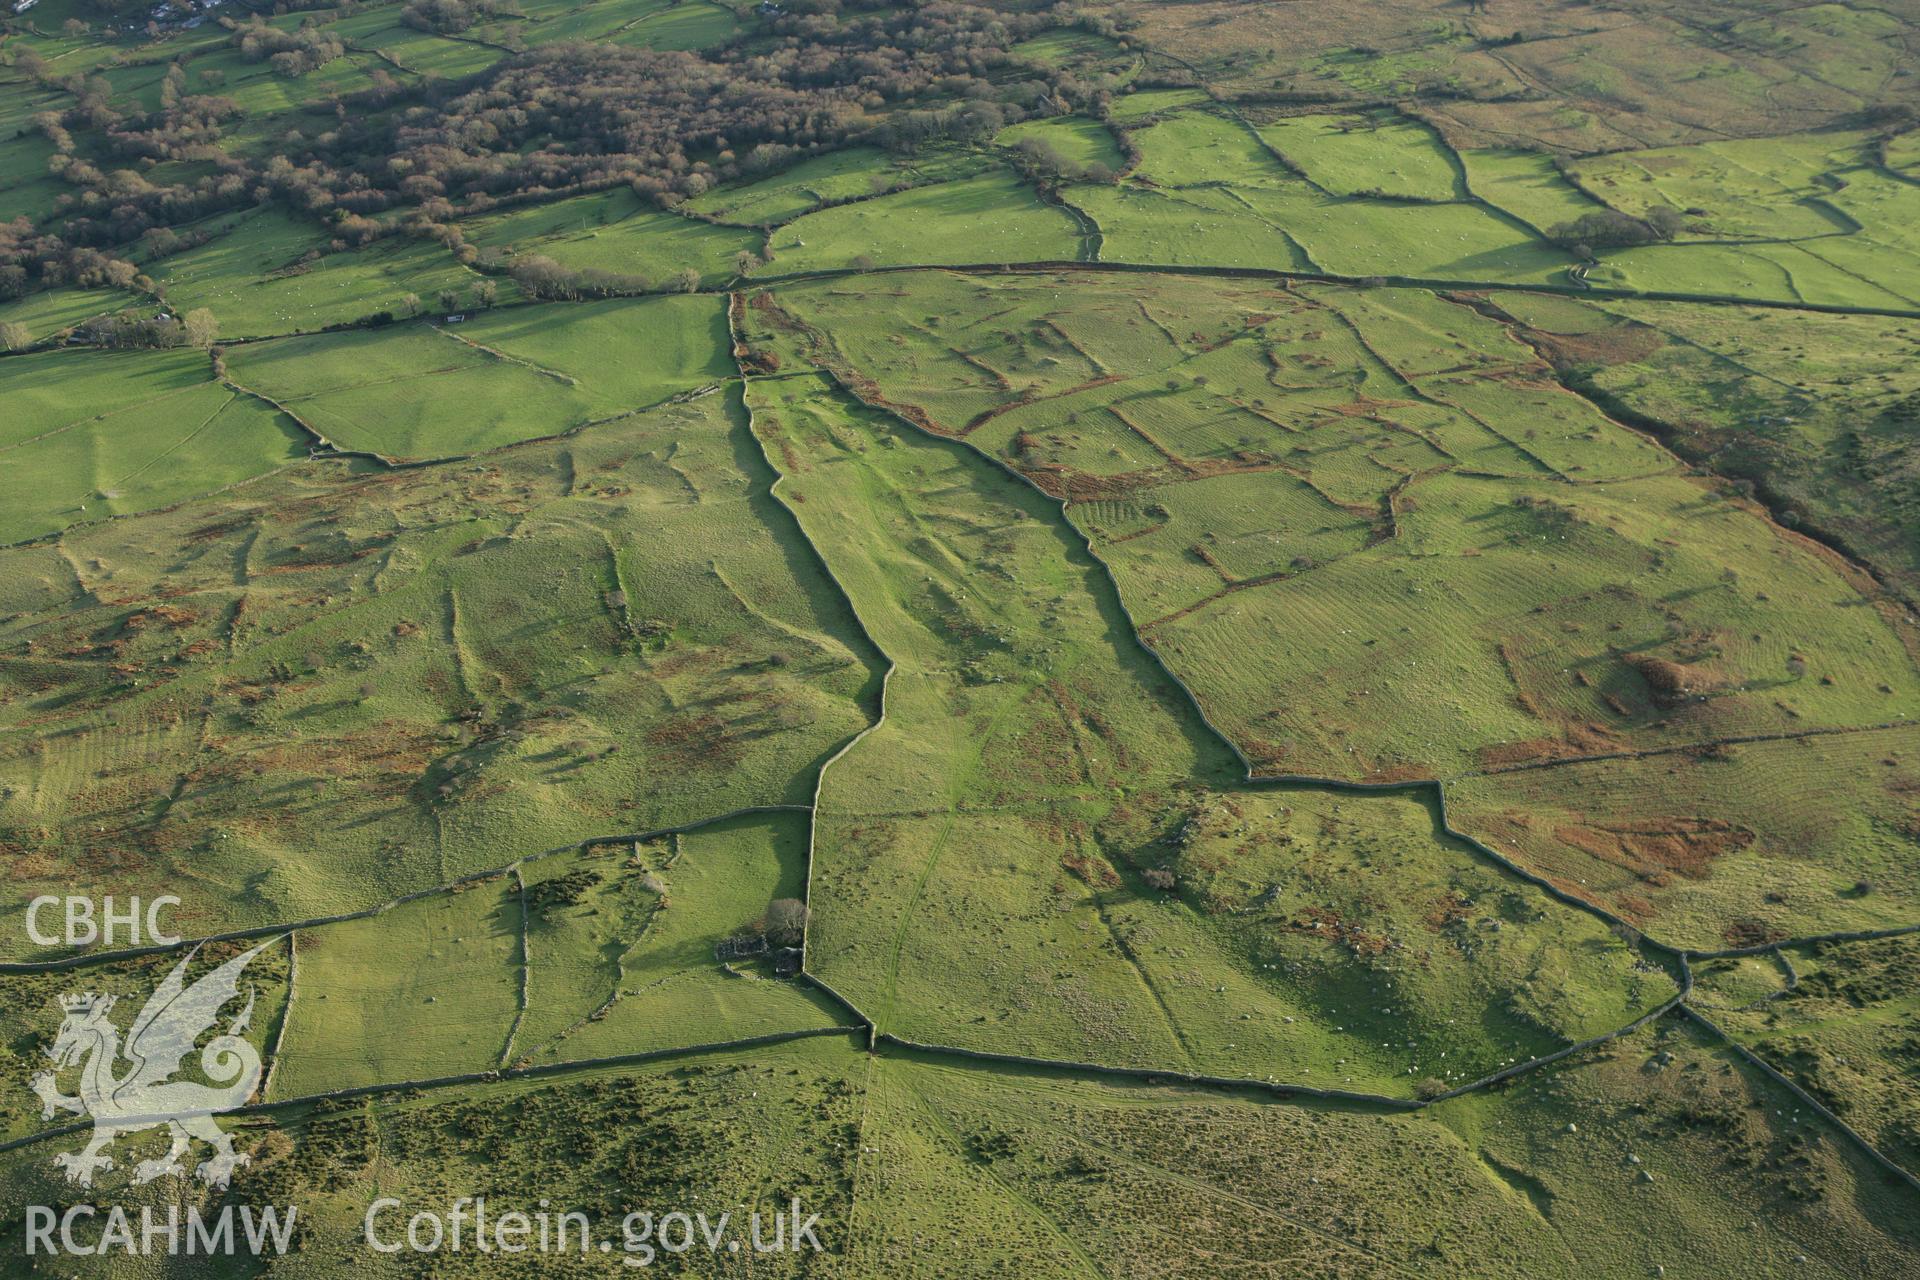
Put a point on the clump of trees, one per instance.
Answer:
(137, 328)
(786, 922)
(292, 53)
(541, 277)
(557, 120)
(200, 327)
(967, 122)
(1041, 161)
(451, 16)
(1612, 229)
(673, 123)
(30, 259)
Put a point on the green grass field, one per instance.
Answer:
(1443, 490)
(1080, 49)
(1822, 272)
(683, 26)
(1194, 147)
(992, 218)
(1375, 237)
(44, 315)
(612, 231)
(617, 957)
(1141, 104)
(434, 389)
(37, 196)
(1351, 156)
(425, 673)
(630, 964)
(264, 274)
(548, 24)
(425, 393)
(1801, 219)
(162, 431)
(426, 989)
(1375, 539)
(1196, 228)
(1243, 974)
(1087, 641)
(1758, 190)
(1903, 152)
(1212, 191)
(1526, 185)
(650, 24)
(420, 53)
(143, 457)
(801, 188)
(1076, 139)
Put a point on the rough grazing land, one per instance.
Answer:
(1182, 640)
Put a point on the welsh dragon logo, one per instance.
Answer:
(144, 1096)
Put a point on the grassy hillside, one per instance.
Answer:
(1174, 640)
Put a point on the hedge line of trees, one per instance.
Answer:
(449, 17)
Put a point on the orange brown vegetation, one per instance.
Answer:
(1652, 848)
(1619, 344)
(1581, 739)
